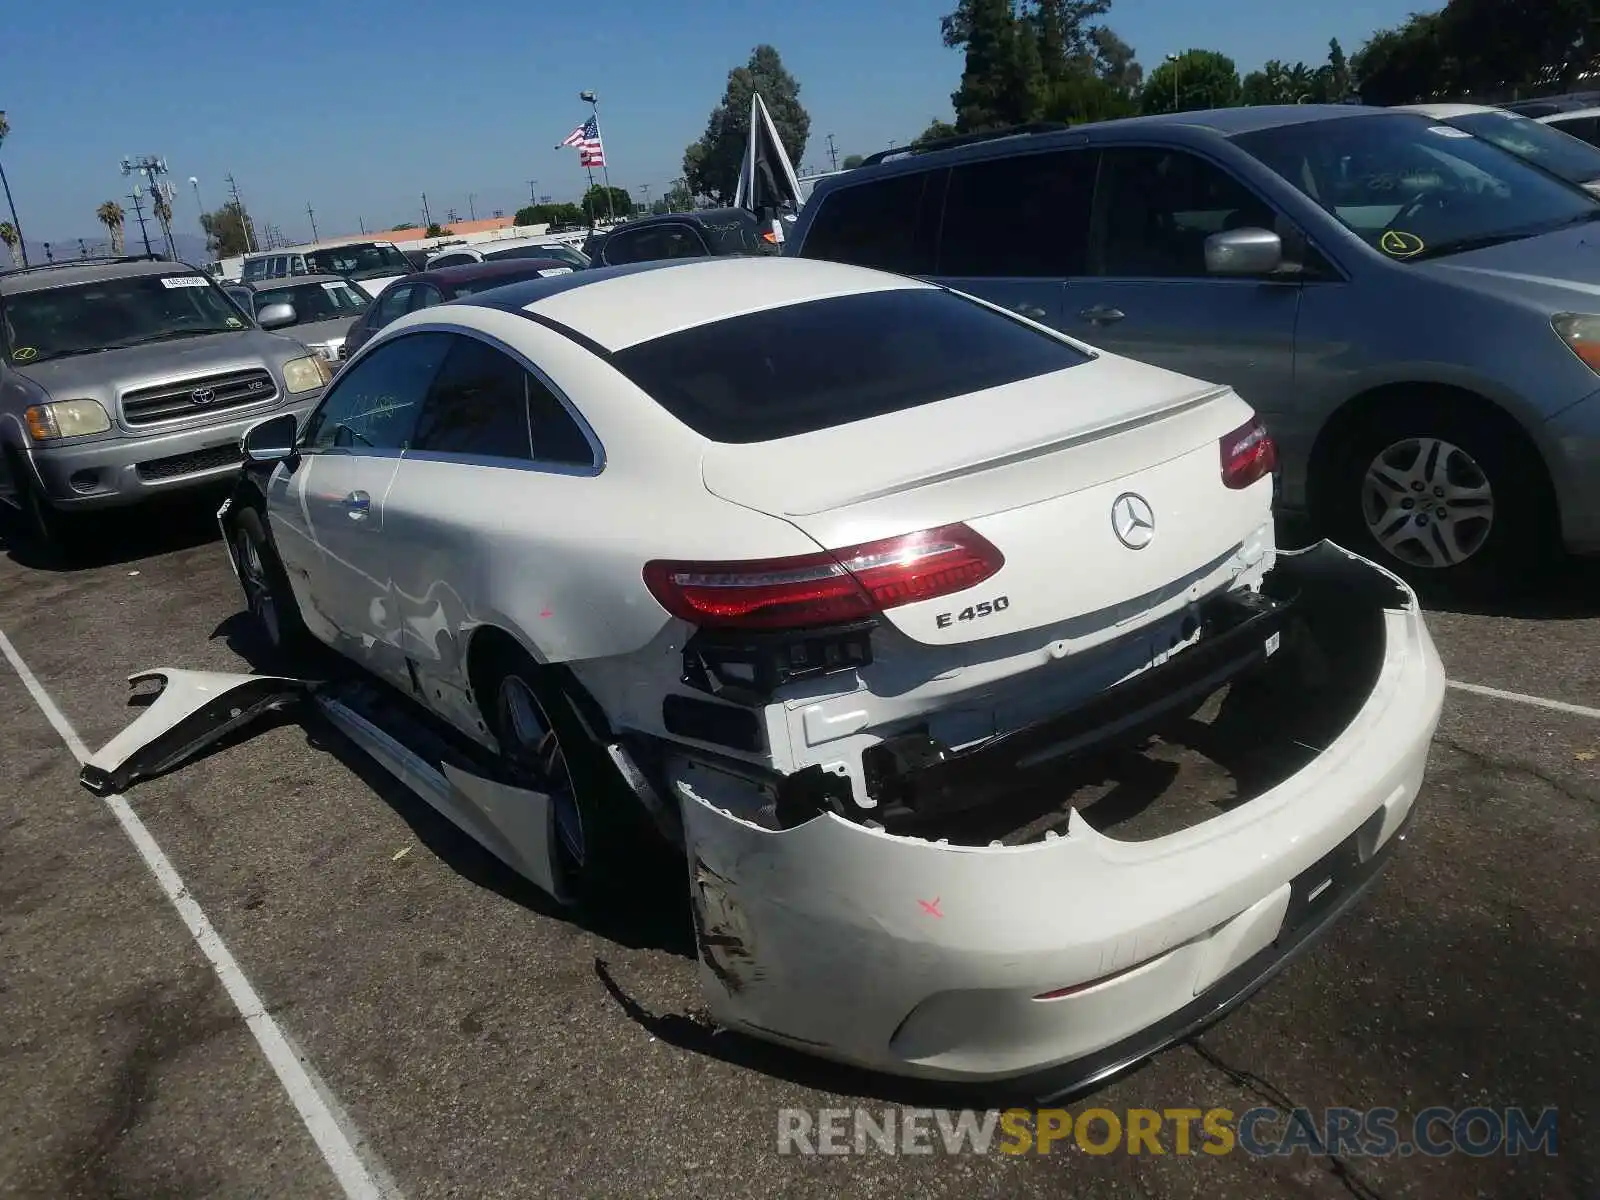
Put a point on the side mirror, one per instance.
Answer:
(276, 316)
(1244, 252)
(271, 441)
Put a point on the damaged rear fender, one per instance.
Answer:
(923, 958)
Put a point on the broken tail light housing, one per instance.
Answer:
(836, 587)
(1248, 454)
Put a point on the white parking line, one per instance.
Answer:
(359, 1178)
(1477, 689)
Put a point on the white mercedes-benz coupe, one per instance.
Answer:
(832, 581)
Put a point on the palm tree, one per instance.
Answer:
(110, 215)
(8, 235)
(16, 225)
(163, 211)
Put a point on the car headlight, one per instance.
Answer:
(306, 374)
(65, 418)
(1581, 333)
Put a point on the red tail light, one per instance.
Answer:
(830, 588)
(1248, 454)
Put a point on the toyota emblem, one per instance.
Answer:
(202, 396)
(1133, 520)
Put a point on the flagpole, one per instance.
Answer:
(605, 171)
(594, 217)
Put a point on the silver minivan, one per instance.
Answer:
(1414, 311)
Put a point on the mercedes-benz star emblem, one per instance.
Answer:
(1133, 520)
(202, 396)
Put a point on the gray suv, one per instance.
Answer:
(1414, 311)
(131, 378)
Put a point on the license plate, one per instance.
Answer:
(1322, 884)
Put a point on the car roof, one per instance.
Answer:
(1223, 122)
(473, 271)
(1443, 112)
(1573, 114)
(289, 281)
(617, 307)
(38, 279)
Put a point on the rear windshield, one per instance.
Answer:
(804, 367)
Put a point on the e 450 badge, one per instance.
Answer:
(984, 608)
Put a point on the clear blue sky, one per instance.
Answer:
(357, 108)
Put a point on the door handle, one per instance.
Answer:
(356, 505)
(1032, 311)
(1102, 314)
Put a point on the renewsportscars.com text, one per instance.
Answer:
(1260, 1132)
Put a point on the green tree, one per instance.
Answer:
(1002, 79)
(548, 214)
(437, 230)
(1115, 62)
(13, 243)
(711, 165)
(936, 131)
(1196, 79)
(225, 230)
(1335, 77)
(595, 208)
(851, 162)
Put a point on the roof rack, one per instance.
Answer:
(91, 260)
(966, 139)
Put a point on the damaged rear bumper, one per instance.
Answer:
(1044, 967)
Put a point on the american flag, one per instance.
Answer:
(586, 138)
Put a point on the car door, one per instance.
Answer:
(1015, 229)
(497, 457)
(1147, 294)
(332, 499)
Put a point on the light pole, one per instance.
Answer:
(5, 128)
(593, 102)
(1176, 61)
(194, 182)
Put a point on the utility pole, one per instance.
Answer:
(137, 196)
(244, 218)
(427, 217)
(362, 225)
(533, 191)
(472, 207)
(593, 101)
(313, 216)
(450, 217)
(645, 188)
(153, 168)
(833, 153)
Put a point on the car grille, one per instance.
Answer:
(197, 397)
(189, 464)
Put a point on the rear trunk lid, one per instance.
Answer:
(1036, 467)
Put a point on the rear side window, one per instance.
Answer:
(804, 367)
(1021, 217)
(450, 260)
(876, 224)
(484, 403)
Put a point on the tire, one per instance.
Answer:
(601, 835)
(1444, 495)
(46, 528)
(267, 594)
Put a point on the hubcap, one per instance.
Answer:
(257, 595)
(536, 750)
(1428, 503)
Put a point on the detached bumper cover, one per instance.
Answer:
(925, 959)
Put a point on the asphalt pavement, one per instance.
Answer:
(470, 1040)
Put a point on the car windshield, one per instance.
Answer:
(315, 301)
(804, 367)
(1415, 189)
(109, 314)
(368, 261)
(1544, 146)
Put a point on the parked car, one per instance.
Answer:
(848, 559)
(373, 265)
(1543, 144)
(1582, 123)
(127, 379)
(320, 309)
(1409, 307)
(424, 289)
(272, 264)
(696, 234)
(1544, 106)
(456, 256)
